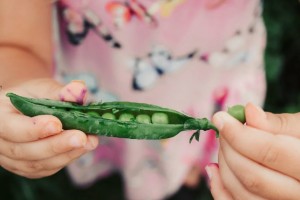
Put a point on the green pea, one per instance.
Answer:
(125, 117)
(160, 118)
(93, 114)
(142, 118)
(108, 116)
(238, 112)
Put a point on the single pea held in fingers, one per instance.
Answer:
(238, 112)
(115, 119)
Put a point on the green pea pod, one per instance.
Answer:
(84, 118)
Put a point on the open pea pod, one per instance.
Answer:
(115, 119)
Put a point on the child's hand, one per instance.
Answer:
(38, 147)
(257, 161)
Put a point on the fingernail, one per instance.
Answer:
(260, 111)
(218, 120)
(76, 141)
(208, 171)
(52, 128)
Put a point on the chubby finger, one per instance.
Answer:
(50, 164)
(75, 91)
(16, 127)
(217, 188)
(232, 184)
(285, 123)
(259, 180)
(278, 152)
(13, 123)
(44, 148)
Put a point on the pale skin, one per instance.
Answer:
(33, 147)
(259, 160)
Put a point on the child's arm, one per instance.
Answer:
(25, 41)
(33, 147)
(260, 160)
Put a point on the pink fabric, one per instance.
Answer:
(182, 54)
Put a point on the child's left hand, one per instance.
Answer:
(36, 147)
(257, 161)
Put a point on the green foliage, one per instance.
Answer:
(282, 58)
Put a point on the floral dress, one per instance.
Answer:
(195, 56)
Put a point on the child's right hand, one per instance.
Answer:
(36, 147)
(259, 160)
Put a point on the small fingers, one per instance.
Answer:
(272, 151)
(257, 179)
(46, 167)
(232, 184)
(19, 128)
(16, 127)
(44, 148)
(217, 188)
(286, 124)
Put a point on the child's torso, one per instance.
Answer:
(174, 53)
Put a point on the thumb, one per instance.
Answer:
(75, 91)
(285, 123)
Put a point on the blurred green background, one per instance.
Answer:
(282, 60)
